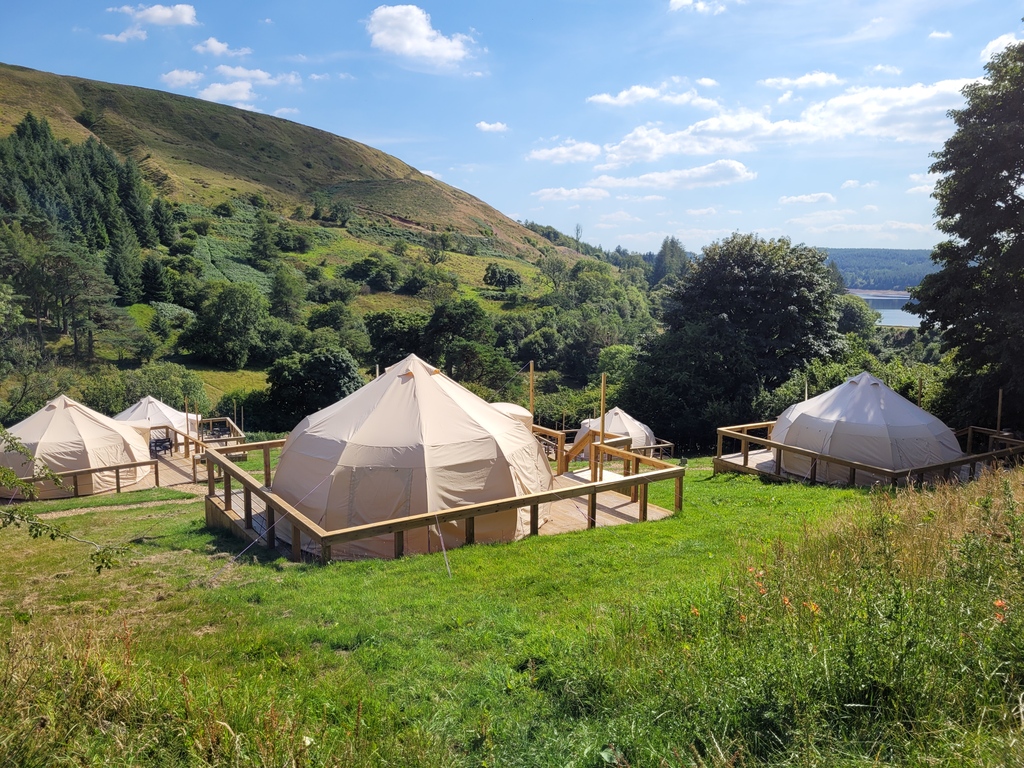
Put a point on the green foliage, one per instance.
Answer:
(263, 248)
(672, 262)
(155, 286)
(394, 334)
(501, 277)
(379, 271)
(224, 210)
(111, 391)
(287, 292)
(302, 384)
(882, 269)
(975, 298)
(855, 316)
(227, 326)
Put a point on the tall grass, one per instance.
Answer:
(894, 637)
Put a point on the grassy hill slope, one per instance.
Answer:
(198, 151)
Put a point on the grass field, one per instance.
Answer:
(639, 645)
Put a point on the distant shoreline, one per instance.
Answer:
(882, 294)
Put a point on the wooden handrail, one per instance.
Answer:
(74, 474)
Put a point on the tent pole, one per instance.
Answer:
(531, 387)
(600, 455)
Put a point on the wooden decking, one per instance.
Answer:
(759, 462)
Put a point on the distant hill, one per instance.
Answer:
(882, 268)
(197, 151)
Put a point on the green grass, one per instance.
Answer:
(218, 382)
(640, 645)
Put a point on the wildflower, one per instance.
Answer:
(1000, 618)
(763, 591)
(785, 602)
(750, 569)
(811, 606)
(694, 611)
(1000, 604)
(743, 618)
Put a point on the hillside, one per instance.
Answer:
(197, 151)
(892, 269)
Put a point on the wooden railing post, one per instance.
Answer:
(853, 475)
(563, 464)
(679, 495)
(746, 452)
(814, 471)
(247, 507)
(117, 479)
(266, 466)
(211, 483)
(636, 471)
(400, 543)
(778, 461)
(227, 491)
(719, 454)
(470, 530)
(534, 519)
(74, 479)
(296, 542)
(271, 534)
(643, 487)
(325, 553)
(592, 510)
(156, 472)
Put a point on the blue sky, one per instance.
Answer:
(812, 119)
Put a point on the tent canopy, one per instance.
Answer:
(618, 422)
(865, 421)
(159, 414)
(65, 435)
(411, 441)
(514, 411)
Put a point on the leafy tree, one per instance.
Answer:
(855, 316)
(332, 290)
(501, 277)
(224, 210)
(975, 298)
(555, 269)
(349, 329)
(671, 261)
(287, 290)
(464, 319)
(227, 326)
(155, 286)
(263, 250)
(301, 384)
(395, 334)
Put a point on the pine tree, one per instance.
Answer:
(124, 265)
(163, 222)
(155, 286)
(135, 202)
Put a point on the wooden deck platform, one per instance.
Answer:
(759, 462)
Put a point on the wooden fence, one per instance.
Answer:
(999, 448)
(74, 474)
(220, 510)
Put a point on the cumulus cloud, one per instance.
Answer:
(280, 112)
(491, 127)
(716, 174)
(811, 79)
(648, 143)
(215, 47)
(229, 93)
(610, 220)
(701, 211)
(258, 76)
(132, 33)
(570, 151)
(855, 184)
(641, 198)
(785, 98)
(707, 82)
(713, 7)
(924, 183)
(814, 197)
(936, 35)
(158, 15)
(558, 194)
(432, 174)
(180, 78)
(885, 69)
(324, 76)
(666, 92)
(405, 30)
(998, 45)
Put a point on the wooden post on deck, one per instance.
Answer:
(74, 478)
(643, 487)
(636, 471)
(247, 507)
(156, 472)
(592, 510)
(325, 553)
(534, 519)
(600, 458)
(296, 542)
(227, 491)
(563, 465)
(271, 534)
(117, 479)
(470, 530)
(719, 454)
(210, 480)
(399, 544)
(266, 466)
(853, 475)
(679, 495)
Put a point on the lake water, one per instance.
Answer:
(890, 305)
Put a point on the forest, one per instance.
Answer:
(111, 291)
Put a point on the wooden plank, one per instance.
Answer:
(156, 473)
(853, 475)
(211, 483)
(75, 479)
(325, 553)
(679, 495)
(266, 466)
(814, 471)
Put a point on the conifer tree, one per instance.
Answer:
(124, 265)
(163, 222)
(155, 286)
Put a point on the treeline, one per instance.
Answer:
(888, 269)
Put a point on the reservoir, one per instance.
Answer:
(890, 305)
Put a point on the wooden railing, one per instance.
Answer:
(74, 474)
(553, 442)
(632, 462)
(743, 433)
(278, 510)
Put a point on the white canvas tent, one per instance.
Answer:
(517, 412)
(65, 435)
(862, 420)
(618, 422)
(411, 441)
(159, 414)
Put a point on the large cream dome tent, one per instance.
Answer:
(865, 421)
(159, 414)
(411, 441)
(65, 435)
(618, 422)
(517, 412)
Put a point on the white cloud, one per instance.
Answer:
(998, 45)
(432, 174)
(648, 143)
(491, 127)
(229, 93)
(570, 151)
(701, 211)
(161, 15)
(561, 193)
(707, 82)
(132, 33)
(666, 92)
(785, 98)
(816, 219)
(936, 35)
(405, 30)
(870, 208)
(180, 78)
(617, 219)
(258, 76)
(714, 7)
(876, 29)
(814, 197)
(885, 69)
(855, 184)
(641, 198)
(215, 47)
(324, 76)
(811, 79)
(924, 183)
(714, 174)
(286, 111)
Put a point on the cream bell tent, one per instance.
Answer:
(517, 412)
(411, 441)
(618, 422)
(65, 435)
(862, 420)
(159, 414)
